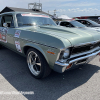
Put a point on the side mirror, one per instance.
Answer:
(5, 25)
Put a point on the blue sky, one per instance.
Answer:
(71, 8)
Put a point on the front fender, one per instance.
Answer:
(36, 47)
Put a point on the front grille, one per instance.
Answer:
(84, 48)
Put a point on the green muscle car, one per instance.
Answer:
(46, 45)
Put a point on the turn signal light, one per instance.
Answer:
(50, 52)
(69, 66)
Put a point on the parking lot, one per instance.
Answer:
(82, 83)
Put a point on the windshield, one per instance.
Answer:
(31, 20)
(77, 24)
(94, 23)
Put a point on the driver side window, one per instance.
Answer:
(8, 19)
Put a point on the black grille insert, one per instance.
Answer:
(84, 48)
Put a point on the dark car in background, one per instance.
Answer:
(88, 22)
(76, 24)
(71, 23)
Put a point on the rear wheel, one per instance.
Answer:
(37, 64)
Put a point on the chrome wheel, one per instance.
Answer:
(34, 63)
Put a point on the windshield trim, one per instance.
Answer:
(29, 19)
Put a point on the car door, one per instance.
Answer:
(7, 33)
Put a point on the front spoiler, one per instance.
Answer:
(61, 67)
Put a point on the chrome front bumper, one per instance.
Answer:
(61, 67)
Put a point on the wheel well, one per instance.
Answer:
(26, 48)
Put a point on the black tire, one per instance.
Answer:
(38, 64)
(0, 46)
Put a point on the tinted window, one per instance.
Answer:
(85, 22)
(94, 23)
(77, 24)
(30, 20)
(67, 24)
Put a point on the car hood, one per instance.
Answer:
(74, 35)
(97, 25)
(95, 28)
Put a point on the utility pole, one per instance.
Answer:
(54, 11)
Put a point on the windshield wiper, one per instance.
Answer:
(29, 24)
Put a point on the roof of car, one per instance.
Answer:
(13, 9)
(22, 13)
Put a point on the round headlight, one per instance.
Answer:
(66, 53)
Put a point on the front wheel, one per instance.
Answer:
(37, 64)
(0, 46)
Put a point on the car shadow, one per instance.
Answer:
(14, 69)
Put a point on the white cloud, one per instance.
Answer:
(79, 4)
(24, 3)
(84, 10)
(61, 10)
(56, 0)
(70, 7)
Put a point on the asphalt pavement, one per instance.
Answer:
(82, 83)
